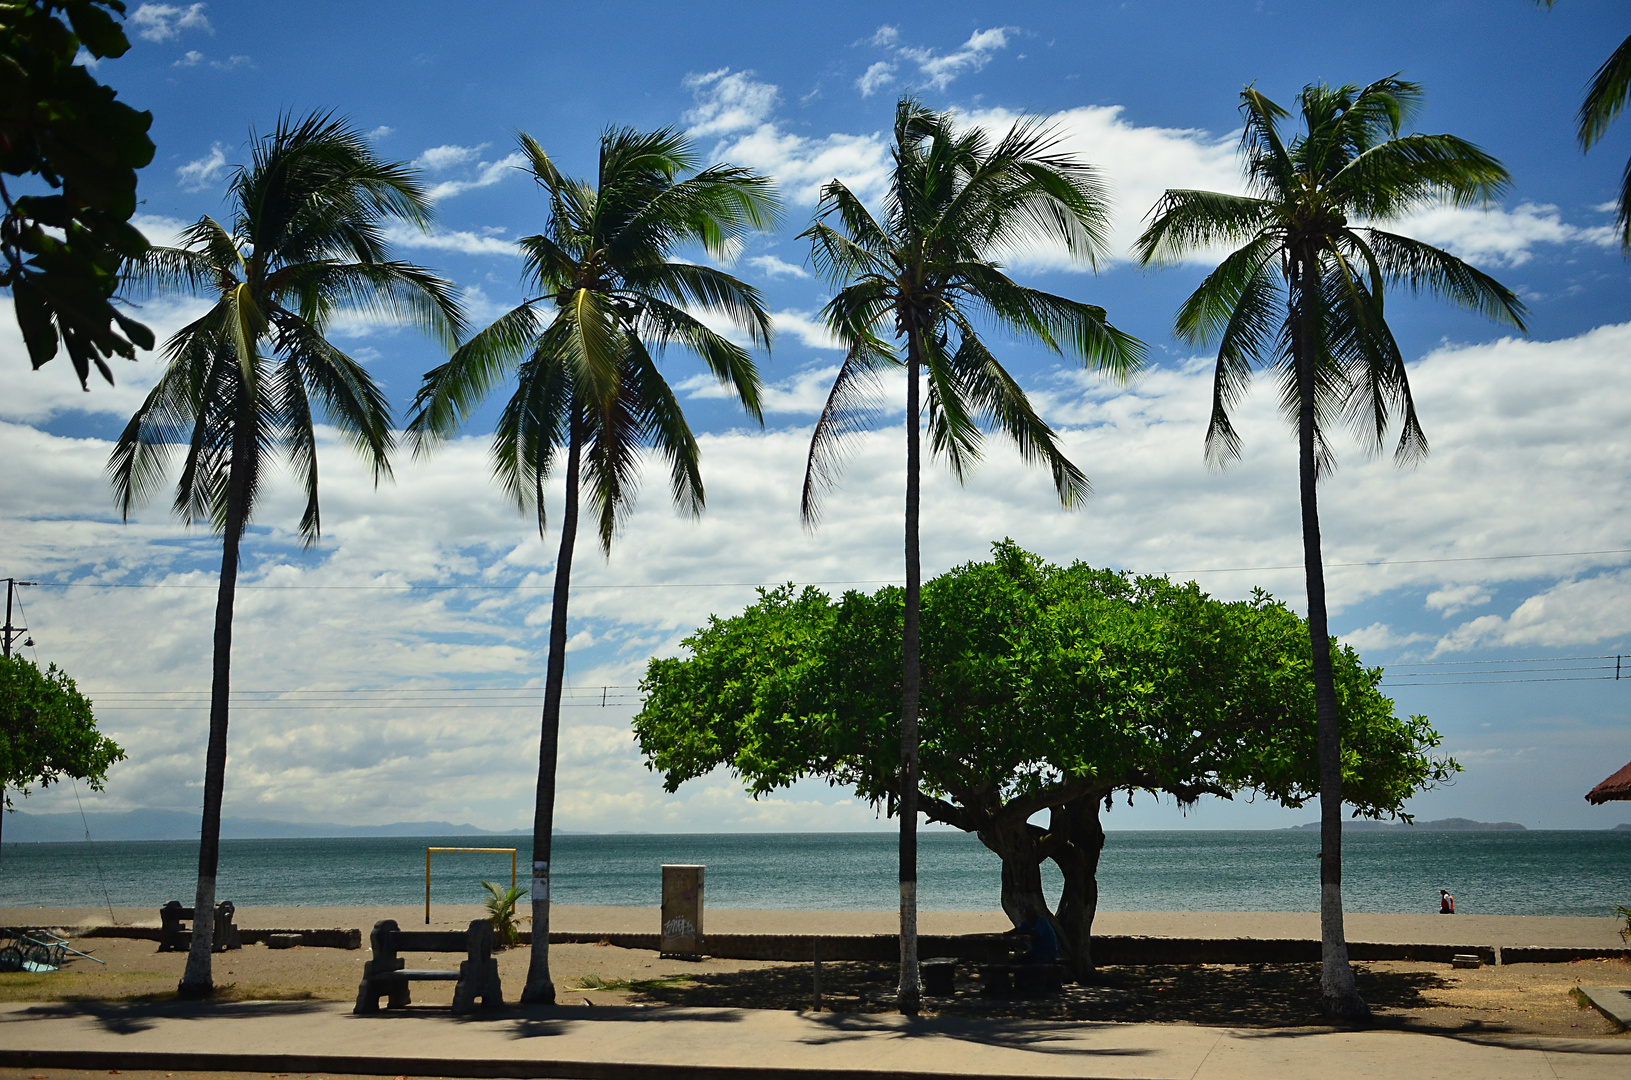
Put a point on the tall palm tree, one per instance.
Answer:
(1302, 294)
(957, 202)
(306, 242)
(609, 296)
(1606, 95)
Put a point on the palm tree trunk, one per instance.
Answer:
(197, 980)
(1340, 997)
(910, 990)
(540, 988)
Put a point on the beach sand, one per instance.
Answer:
(1532, 999)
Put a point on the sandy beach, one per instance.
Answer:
(1523, 998)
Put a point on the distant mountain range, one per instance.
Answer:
(25, 828)
(1449, 824)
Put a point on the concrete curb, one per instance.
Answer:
(1116, 949)
(1613, 1002)
(324, 939)
(1109, 949)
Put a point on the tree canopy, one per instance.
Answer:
(47, 731)
(61, 248)
(1043, 687)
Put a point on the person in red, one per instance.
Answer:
(1446, 902)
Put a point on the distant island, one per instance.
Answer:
(1450, 824)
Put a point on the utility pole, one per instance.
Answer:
(11, 633)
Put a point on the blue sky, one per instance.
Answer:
(1528, 435)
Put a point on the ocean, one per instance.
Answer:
(1498, 873)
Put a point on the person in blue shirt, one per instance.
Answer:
(1044, 942)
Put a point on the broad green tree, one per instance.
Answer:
(66, 228)
(912, 292)
(1302, 294)
(243, 382)
(609, 297)
(1045, 688)
(1606, 95)
(47, 732)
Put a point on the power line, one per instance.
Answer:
(1500, 682)
(772, 584)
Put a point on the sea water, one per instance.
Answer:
(1506, 873)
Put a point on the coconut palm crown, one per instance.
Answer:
(609, 298)
(1301, 294)
(912, 291)
(245, 381)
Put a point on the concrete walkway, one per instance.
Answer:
(632, 1043)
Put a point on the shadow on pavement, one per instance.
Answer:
(127, 1018)
(1264, 995)
(1008, 1034)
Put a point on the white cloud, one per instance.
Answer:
(772, 267)
(731, 104)
(938, 71)
(885, 36)
(1576, 612)
(485, 174)
(1453, 598)
(1501, 237)
(807, 327)
(205, 171)
(379, 133)
(160, 230)
(464, 241)
(480, 308)
(164, 22)
(440, 158)
(875, 78)
(190, 58)
(802, 394)
(728, 101)
(1380, 636)
(232, 63)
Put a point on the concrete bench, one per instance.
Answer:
(176, 932)
(1022, 980)
(387, 974)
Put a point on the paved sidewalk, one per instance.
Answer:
(631, 1043)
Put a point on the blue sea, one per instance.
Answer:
(1507, 873)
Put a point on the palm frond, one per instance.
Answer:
(730, 363)
(1606, 95)
(1423, 268)
(450, 392)
(1185, 222)
(853, 401)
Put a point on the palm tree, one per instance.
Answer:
(1302, 294)
(609, 297)
(1607, 94)
(306, 243)
(957, 202)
